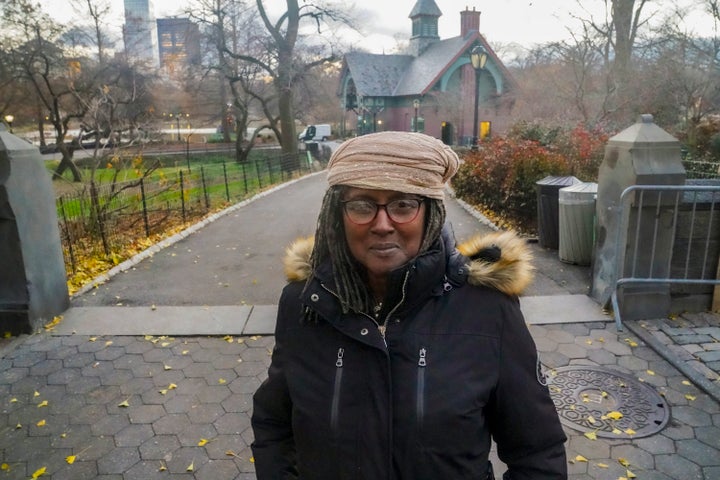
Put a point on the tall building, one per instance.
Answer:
(140, 32)
(179, 42)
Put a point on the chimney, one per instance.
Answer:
(469, 21)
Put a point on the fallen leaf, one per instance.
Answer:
(580, 458)
(690, 397)
(108, 343)
(252, 459)
(630, 431)
(44, 403)
(591, 435)
(70, 459)
(222, 381)
(124, 404)
(162, 467)
(615, 415)
(167, 367)
(616, 431)
(163, 392)
(591, 419)
(41, 423)
(172, 386)
(686, 382)
(622, 461)
(190, 467)
(630, 474)
(601, 465)
(92, 339)
(18, 426)
(202, 442)
(650, 372)
(4, 466)
(36, 394)
(39, 472)
(13, 400)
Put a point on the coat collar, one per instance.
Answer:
(499, 260)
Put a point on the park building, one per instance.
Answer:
(433, 87)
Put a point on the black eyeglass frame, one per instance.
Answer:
(420, 202)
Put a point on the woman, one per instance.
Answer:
(397, 356)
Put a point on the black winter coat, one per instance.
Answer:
(457, 366)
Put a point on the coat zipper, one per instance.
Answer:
(335, 406)
(420, 400)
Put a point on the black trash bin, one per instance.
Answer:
(548, 192)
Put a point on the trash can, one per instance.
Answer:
(577, 219)
(548, 210)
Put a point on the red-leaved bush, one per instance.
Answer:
(501, 175)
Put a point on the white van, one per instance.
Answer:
(315, 132)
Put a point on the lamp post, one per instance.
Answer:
(416, 106)
(9, 119)
(478, 57)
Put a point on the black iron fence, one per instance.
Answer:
(107, 221)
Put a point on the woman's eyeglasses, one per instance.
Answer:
(362, 212)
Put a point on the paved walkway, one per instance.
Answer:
(151, 374)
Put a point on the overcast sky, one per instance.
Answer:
(383, 22)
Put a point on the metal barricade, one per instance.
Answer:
(694, 244)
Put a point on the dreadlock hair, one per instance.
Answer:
(330, 243)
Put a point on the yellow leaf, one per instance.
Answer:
(39, 472)
(124, 404)
(616, 431)
(13, 400)
(230, 453)
(164, 344)
(580, 458)
(108, 343)
(4, 466)
(222, 381)
(162, 468)
(686, 382)
(589, 342)
(630, 474)
(591, 435)
(36, 394)
(690, 397)
(163, 392)
(615, 415)
(590, 419)
(44, 403)
(604, 394)
(148, 337)
(252, 459)
(622, 461)
(70, 459)
(18, 426)
(602, 465)
(202, 442)
(650, 372)
(172, 386)
(41, 423)
(630, 431)
(167, 367)
(63, 435)
(7, 334)
(92, 339)
(190, 467)
(185, 352)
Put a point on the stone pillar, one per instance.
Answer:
(642, 154)
(33, 282)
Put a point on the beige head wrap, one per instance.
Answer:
(402, 161)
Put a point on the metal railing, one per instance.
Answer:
(647, 254)
(108, 220)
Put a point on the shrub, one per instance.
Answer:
(501, 177)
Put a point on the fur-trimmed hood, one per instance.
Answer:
(499, 260)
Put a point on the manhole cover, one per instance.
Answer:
(587, 397)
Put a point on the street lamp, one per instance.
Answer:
(416, 106)
(478, 57)
(9, 119)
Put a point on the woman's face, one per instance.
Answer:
(382, 245)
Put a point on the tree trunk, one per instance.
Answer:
(67, 163)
